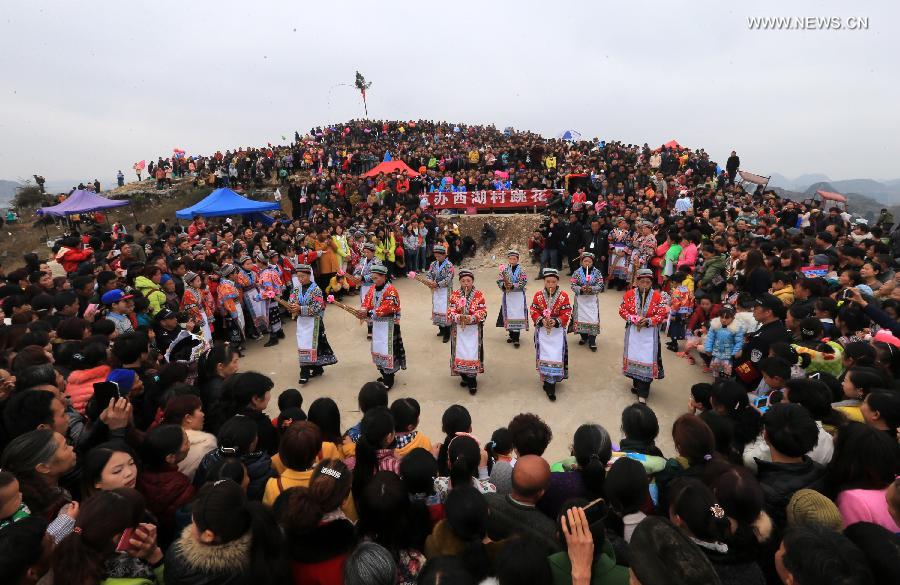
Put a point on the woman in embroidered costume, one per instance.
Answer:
(512, 282)
(313, 350)
(643, 247)
(245, 280)
(440, 281)
(229, 298)
(270, 287)
(550, 314)
(363, 272)
(587, 282)
(644, 310)
(620, 254)
(192, 302)
(382, 307)
(467, 313)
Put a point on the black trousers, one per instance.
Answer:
(641, 388)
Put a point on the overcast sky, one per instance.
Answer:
(91, 87)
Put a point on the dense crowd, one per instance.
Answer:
(136, 448)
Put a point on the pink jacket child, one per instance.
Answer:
(688, 256)
(80, 385)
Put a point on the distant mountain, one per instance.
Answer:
(857, 203)
(8, 191)
(886, 192)
(798, 184)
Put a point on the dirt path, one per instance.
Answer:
(596, 391)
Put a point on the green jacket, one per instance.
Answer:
(604, 572)
(152, 291)
(157, 574)
(713, 267)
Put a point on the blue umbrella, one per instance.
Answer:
(569, 135)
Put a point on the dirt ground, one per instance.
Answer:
(595, 392)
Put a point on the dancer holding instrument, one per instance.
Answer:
(439, 278)
(467, 313)
(550, 313)
(587, 282)
(513, 309)
(306, 302)
(382, 307)
(363, 277)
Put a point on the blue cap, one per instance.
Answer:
(114, 296)
(165, 278)
(122, 378)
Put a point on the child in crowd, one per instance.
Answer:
(775, 373)
(723, 342)
(699, 402)
(681, 307)
(783, 288)
(290, 402)
(13, 509)
(338, 285)
(406, 413)
(499, 448)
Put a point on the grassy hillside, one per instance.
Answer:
(147, 205)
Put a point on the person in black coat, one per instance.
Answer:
(596, 241)
(573, 241)
(732, 166)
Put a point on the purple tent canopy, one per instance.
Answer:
(80, 202)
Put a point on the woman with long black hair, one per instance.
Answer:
(229, 537)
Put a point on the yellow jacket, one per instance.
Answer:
(785, 295)
(420, 440)
(384, 249)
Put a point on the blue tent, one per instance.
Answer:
(225, 202)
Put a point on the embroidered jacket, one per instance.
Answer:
(270, 282)
(619, 236)
(518, 278)
(229, 297)
(472, 305)
(657, 309)
(192, 302)
(644, 249)
(587, 283)
(560, 308)
(388, 305)
(363, 270)
(441, 273)
(312, 302)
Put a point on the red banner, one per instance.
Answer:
(490, 199)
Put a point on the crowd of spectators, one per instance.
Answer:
(136, 448)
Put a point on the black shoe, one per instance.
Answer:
(593, 346)
(509, 340)
(473, 390)
(281, 334)
(516, 343)
(272, 341)
(316, 371)
(303, 379)
(550, 390)
(440, 332)
(581, 342)
(672, 346)
(255, 336)
(446, 339)
(368, 336)
(463, 383)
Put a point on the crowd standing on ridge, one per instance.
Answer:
(135, 448)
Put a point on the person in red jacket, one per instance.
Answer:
(71, 254)
(165, 488)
